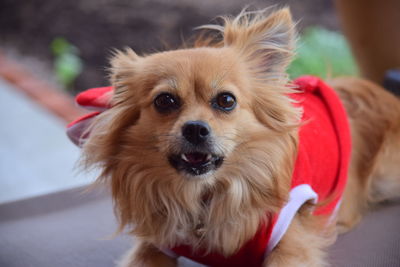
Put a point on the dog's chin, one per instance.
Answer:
(196, 164)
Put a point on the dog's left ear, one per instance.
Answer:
(266, 41)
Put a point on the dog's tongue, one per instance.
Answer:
(196, 158)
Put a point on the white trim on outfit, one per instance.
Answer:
(297, 197)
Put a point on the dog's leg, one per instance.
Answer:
(353, 203)
(383, 182)
(146, 255)
(374, 174)
(303, 244)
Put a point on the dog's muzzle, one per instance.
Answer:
(197, 155)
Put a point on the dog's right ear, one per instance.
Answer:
(105, 130)
(122, 71)
(124, 111)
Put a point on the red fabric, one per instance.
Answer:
(83, 118)
(322, 162)
(251, 254)
(95, 97)
(325, 142)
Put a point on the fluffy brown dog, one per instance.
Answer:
(200, 144)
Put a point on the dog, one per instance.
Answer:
(200, 147)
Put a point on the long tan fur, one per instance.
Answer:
(130, 143)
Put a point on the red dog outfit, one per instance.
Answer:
(320, 169)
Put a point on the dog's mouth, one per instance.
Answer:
(196, 163)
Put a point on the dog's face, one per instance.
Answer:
(196, 109)
(207, 124)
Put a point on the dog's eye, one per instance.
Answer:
(225, 102)
(166, 102)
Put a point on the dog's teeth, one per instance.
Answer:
(208, 156)
(183, 156)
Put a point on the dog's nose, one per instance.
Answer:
(196, 132)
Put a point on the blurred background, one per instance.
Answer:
(69, 42)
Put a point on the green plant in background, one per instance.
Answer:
(322, 53)
(67, 63)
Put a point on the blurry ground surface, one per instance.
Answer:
(73, 229)
(36, 156)
(97, 26)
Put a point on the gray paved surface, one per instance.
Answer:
(73, 229)
(36, 156)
